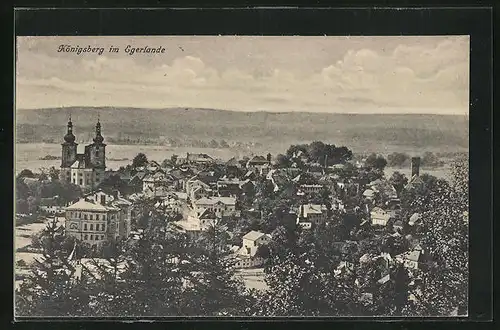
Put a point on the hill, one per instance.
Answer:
(361, 132)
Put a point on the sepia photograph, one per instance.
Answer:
(241, 176)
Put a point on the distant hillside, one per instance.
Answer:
(361, 132)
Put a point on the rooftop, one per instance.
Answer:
(253, 235)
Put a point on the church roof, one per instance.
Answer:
(81, 162)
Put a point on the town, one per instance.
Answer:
(311, 231)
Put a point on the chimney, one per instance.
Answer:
(103, 199)
(415, 166)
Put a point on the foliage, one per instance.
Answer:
(139, 160)
(374, 161)
(398, 159)
(399, 181)
(26, 173)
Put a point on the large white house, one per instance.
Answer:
(246, 254)
(220, 206)
(312, 213)
(98, 217)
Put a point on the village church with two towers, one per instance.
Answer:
(85, 170)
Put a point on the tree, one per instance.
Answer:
(53, 173)
(375, 161)
(140, 160)
(26, 174)
(397, 159)
(443, 289)
(429, 159)
(216, 290)
(283, 161)
(51, 289)
(399, 181)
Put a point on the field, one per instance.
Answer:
(22, 238)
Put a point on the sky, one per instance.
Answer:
(400, 74)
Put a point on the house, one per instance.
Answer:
(228, 188)
(398, 225)
(311, 188)
(415, 219)
(314, 213)
(257, 162)
(411, 259)
(246, 255)
(344, 267)
(379, 217)
(198, 159)
(369, 194)
(221, 206)
(136, 181)
(305, 225)
(50, 205)
(197, 189)
(169, 204)
(92, 222)
(158, 183)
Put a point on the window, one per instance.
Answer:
(86, 237)
(85, 227)
(96, 237)
(84, 217)
(102, 236)
(81, 182)
(91, 237)
(80, 215)
(74, 174)
(97, 216)
(91, 217)
(91, 227)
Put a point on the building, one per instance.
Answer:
(246, 255)
(411, 259)
(257, 162)
(159, 183)
(380, 217)
(416, 181)
(98, 217)
(311, 188)
(89, 222)
(197, 189)
(85, 170)
(313, 213)
(228, 188)
(196, 159)
(220, 206)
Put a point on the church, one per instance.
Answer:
(85, 170)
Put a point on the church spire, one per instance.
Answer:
(98, 137)
(69, 137)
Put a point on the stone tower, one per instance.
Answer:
(69, 147)
(96, 154)
(415, 166)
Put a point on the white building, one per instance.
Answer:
(98, 217)
(380, 217)
(220, 206)
(246, 255)
(313, 213)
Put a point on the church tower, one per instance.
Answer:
(96, 154)
(69, 148)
